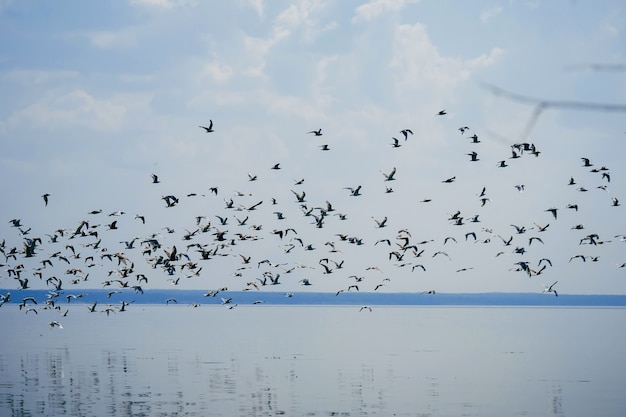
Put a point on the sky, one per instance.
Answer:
(98, 96)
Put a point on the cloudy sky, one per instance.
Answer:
(97, 96)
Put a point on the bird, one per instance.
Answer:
(45, 198)
(474, 156)
(55, 325)
(381, 223)
(552, 210)
(406, 133)
(208, 129)
(317, 132)
(354, 191)
(519, 229)
(441, 113)
(390, 176)
(551, 289)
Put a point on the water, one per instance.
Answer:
(314, 360)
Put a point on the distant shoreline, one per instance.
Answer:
(160, 296)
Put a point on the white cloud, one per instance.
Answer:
(164, 4)
(294, 17)
(118, 39)
(486, 60)
(258, 6)
(418, 64)
(31, 77)
(217, 71)
(374, 8)
(79, 108)
(490, 13)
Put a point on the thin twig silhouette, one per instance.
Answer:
(540, 105)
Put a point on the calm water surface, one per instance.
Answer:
(315, 361)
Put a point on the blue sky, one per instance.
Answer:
(99, 96)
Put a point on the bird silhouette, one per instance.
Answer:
(209, 128)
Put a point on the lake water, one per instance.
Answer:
(261, 360)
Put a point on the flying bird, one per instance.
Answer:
(354, 191)
(551, 289)
(55, 324)
(317, 132)
(406, 133)
(474, 156)
(390, 176)
(553, 210)
(208, 129)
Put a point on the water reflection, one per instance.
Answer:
(466, 362)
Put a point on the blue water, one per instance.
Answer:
(158, 360)
(158, 296)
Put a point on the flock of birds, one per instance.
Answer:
(95, 252)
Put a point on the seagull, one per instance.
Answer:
(354, 191)
(474, 156)
(299, 197)
(586, 162)
(441, 113)
(155, 179)
(519, 229)
(406, 133)
(208, 129)
(390, 176)
(395, 143)
(551, 289)
(45, 198)
(552, 210)
(317, 132)
(54, 324)
(381, 223)
(366, 308)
